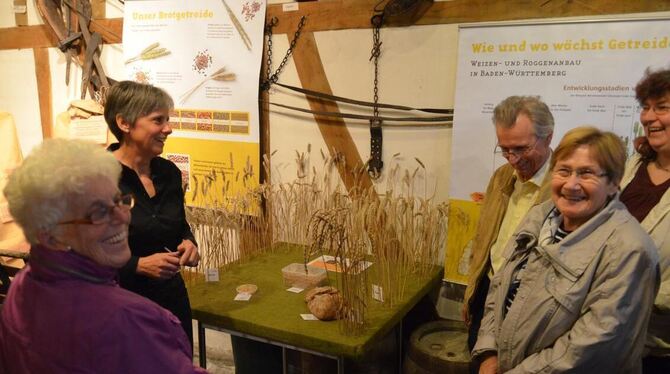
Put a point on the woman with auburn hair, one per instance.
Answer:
(646, 195)
(580, 275)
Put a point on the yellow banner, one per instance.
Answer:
(213, 170)
(463, 218)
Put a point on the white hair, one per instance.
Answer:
(40, 189)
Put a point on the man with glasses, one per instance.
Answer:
(524, 127)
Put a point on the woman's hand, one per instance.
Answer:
(489, 365)
(159, 265)
(188, 253)
(465, 314)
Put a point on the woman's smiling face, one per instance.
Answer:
(655, 118)
(150, 132)
(579, 187)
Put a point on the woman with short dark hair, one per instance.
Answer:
(159, 236)
(580, 275)
(646, 194)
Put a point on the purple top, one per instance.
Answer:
(66, 314)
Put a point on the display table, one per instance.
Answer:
(273, 314)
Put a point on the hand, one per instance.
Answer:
(465, 314)
(188, 253)
(489, 365)
(159, 265)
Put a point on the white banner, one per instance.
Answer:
(585, 72)
(207, 55)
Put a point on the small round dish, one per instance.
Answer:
(247, 288)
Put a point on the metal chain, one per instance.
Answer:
(375, 164)
(274, 77)
(268, 62)
(376, 51)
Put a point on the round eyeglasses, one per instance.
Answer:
(517, 152)
(659, 109)
(103, 214)
(583, 175)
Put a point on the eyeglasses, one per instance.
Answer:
(584, 175)
(660, 109)
(103, 214)
(517, 152)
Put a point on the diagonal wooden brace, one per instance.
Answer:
(91, 49)
(83, 24)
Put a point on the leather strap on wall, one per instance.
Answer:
(375, 164)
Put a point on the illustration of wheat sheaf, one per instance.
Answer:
(243, 34)
(220, 75)
(149, 53)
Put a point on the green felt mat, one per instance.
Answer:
(274, 313)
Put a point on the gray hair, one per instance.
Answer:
(38, 190)
(537, 111)
(132, 100)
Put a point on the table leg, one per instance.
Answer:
(202, 346)
(340, 365)
(283, 360)
(400, 355)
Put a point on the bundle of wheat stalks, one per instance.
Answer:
(149, 53)
(400, 231)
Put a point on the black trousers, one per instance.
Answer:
(477, 304)
(171, 294)
(655, 365)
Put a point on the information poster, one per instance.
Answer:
(206, 54)
(586, 72)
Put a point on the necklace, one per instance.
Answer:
(667, 170)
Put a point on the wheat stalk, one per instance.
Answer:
(243, 34)
(220, 75)
(149, 53)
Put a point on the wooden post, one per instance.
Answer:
(43, 77)
(334, 130)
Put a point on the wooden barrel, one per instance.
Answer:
(438, 347)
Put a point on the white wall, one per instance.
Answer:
(417, 68)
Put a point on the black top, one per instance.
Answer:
(641, 195)
(156, 222)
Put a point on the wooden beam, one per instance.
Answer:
(344, 14)
(39, 36)
(334, 131)
(43, 76)
(347, 14)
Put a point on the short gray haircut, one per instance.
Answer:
(132, 100)
(537, 111)
(40, 189)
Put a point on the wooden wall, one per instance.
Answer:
(325, 20)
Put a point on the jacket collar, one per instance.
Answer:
(573, 254)
(52, 265)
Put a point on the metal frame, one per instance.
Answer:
(202, 346)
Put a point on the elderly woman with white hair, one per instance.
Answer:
(65, 312)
